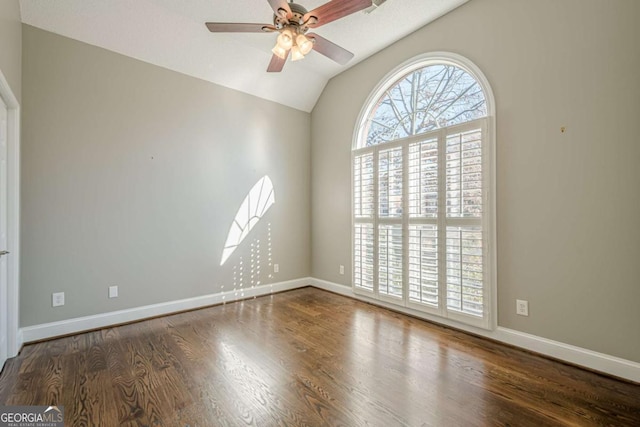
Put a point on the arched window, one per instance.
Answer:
(423, 207)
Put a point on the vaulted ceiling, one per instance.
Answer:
(172, 34)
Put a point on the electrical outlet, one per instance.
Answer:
(57, 299)
(113, 292)
(342, 270)
(276, 268)
(522, 307)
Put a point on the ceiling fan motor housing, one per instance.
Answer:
(296, 20)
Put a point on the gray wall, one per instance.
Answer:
(568, 203)
(132, 175)
(11, 45)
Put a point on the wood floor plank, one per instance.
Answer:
(306, 358)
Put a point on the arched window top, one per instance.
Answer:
(427, 93)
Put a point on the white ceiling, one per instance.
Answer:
(172, 34)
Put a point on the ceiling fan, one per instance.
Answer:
(293, 22)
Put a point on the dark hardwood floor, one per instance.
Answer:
(305, 357)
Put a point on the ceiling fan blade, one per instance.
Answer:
(279, 6)
(232, 27)
(277, 63)
(330, 49)
(333, 10)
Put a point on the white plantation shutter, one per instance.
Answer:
(464, 254)
(364, 209)
(418, 222)
(390, 233)
(390, 179)
(422, 171)
(464, 270)
(423, 264)
(390, 260)
(363, 256)
(423, 179)
(363, 186)
(423, 224)
(464, 174)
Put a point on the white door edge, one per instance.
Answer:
(13, 216)
(4, 302)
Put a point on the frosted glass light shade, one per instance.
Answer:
(279, 51)
(285, 39)
(304, 44)
(296, 55)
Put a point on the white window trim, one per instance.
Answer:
(490, 318)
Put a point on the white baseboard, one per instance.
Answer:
(80, 324)
(576, 355)
(589, 359)
(19, 342)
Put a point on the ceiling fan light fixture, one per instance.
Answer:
(292, 21)
(304, 44)
(296, 54)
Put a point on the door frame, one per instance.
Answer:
(14, 339)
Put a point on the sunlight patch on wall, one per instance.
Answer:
(255, 272)
(252, 209)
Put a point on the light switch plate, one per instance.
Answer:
(57, 299)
